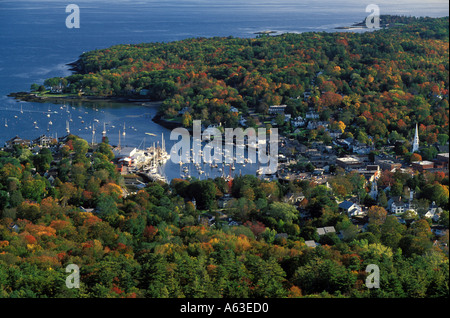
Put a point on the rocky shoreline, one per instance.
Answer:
(33, 97)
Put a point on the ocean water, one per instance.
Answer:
(35, 44)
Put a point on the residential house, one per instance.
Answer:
(316, 124)
(350, 208)
(306, 96)
(325, 230)
(335, 133)
(311, 243)
(438, 230)
(223, 201)
(89, 210)
(362, 149)
(311, 114)
(14, 227)
(397, 206)
(17, 141)
(243, 121)
(433, 212)
(287, 118)
(207, 218)
(43, 141)
(298, 122)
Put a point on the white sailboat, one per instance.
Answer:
(104, 130)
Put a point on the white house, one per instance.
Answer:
(397, 206)
(298, 122)
(433, 212)
(351, 208)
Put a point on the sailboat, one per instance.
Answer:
(123, 133)
(6, 123)
(21, 109)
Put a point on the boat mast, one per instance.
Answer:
(93, 134)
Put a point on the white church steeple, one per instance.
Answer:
(415, 146)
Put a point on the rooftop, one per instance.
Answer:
(424, 162)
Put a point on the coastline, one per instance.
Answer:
(145, 102)
(32, 97)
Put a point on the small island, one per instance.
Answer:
(265, 32)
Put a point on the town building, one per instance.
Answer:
(277, 109)
(349, 162)
(442, 160)
(389, 165)
(124, 152)
(422, 165)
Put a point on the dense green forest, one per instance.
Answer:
(379, 83)
(159, 242)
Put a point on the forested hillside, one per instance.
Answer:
(382, 82)
(161, 242)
